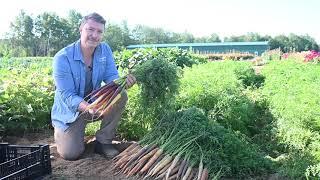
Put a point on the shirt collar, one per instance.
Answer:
(77, 51)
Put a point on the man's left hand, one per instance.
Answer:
(130, 81)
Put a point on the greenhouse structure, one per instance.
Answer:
(256, 48)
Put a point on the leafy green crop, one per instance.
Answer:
(26, 94)
(292, 92)
(158, 81)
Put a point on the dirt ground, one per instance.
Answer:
(89, 166)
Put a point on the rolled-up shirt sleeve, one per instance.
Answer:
(65, 83)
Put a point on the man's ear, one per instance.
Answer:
(80, 28)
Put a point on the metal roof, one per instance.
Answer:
(258, 43)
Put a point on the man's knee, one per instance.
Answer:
(121, 103)
(124, 98)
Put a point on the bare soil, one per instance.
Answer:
(89, 166)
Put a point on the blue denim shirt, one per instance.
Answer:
(69, 77)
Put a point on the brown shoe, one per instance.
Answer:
(107, 150)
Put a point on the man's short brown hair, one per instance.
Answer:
(93, 16)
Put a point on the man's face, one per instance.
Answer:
(91, 33)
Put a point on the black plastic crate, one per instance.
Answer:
(24, 162)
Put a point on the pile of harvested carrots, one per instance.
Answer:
(151, 162)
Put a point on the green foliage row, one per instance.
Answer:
(292, 91)
(26, 94)
(217, 88)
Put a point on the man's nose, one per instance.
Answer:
(95, 34)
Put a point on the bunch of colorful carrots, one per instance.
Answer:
(151, 162)
(175, 148)
(103, 98)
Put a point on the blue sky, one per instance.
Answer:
(199, 17)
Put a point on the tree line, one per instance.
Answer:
(47, 33)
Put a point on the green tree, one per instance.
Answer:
(118, 36)
(312, 44)
(208, 39)
(187, 37)
(22, 36)
(214, 38)
(293, 43)
(234, 39)
(74, 19)
(280, 41)
(147, 35)
(53, 33)
(5, 49)
(249, 37)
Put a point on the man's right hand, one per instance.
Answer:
(84, 106)
(94, 112)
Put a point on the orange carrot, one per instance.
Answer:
(148, 172)
(137, 167)
(149, 155)
(126, 150)
(151, 148)
(173, 164)
(162, 164)
(125, 158)
(136, 156)
(146, 155)
(151, 161)
(114, 100)
(164, 170)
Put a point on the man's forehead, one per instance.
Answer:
(92, 23)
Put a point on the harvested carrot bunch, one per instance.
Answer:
(167, 153)
(186, 145)
(157, 79)
(103, 98)
(151, 162)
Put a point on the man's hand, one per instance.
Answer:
(130, 81)
(84, 105)
(94, 112)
